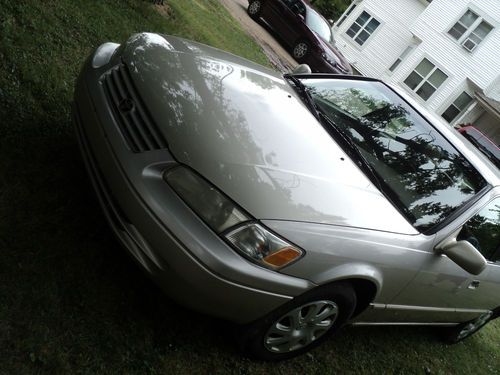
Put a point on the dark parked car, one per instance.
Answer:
(304, 30)
(483, 143)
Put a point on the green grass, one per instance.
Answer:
(70, 299)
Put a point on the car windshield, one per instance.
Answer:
(426, 177)
(317, 24)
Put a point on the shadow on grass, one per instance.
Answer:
(69, 293)
(71, 297)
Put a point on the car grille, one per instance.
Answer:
(135, 123)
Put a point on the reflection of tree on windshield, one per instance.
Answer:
(429, 177)
(353, 101)
(382, 116)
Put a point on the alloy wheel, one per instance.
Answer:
(473, 326)
(300, 50)
(301, 326)
(254, 8)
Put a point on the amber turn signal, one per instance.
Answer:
(282, 257)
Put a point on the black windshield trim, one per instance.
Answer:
(352, 150)
(388, 191)
(348, 146)
(459, 211)
(301, 89)
(339, 135)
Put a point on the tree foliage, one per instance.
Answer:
(331, 9)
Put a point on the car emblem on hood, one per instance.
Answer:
(126, 105)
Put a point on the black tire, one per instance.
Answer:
(259, 339)
(254, 9)
(300, 50)
(462, 331)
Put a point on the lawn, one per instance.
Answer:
(71, 301)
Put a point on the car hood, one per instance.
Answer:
(243, 128)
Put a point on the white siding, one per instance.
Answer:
(390, 39)
(493, 90)
(481, 66)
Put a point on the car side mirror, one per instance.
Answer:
(464, 254)
(302, 69)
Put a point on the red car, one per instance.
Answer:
(483, 143)
(304, 30)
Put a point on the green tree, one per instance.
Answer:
(331, 9)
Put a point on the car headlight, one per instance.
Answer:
(249, 238)
(212, 206)
(103, 54)
(259, 244)
(332, 60)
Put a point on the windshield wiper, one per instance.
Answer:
(347, 144)
(304, 94)
(364, 164)
(330, 125)
(353, 149)
(340, 134)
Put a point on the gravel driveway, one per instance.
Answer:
(277, 55)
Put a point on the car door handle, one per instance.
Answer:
(474, 284)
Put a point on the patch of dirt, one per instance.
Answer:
(164, 10)
(279, 63)
(276, 54)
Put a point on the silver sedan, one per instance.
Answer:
(292, 204)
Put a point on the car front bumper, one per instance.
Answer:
(191, 263)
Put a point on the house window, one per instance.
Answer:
(346, 14)
(401, 57)
(362, 28)
(425, 79)
(470, 30)
(457, 107)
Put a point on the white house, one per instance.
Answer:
(445, 53)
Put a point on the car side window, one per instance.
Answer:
(295, 6)
(483, 231)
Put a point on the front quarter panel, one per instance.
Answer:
(389, 260)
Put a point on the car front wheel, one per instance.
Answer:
(300, 51)
(301, 324)
(254, 9)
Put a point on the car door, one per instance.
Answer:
(442, 291)
(283, 16)
(482, 230)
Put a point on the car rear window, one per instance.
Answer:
(428, 177)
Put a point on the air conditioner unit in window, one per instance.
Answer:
(469, 44)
